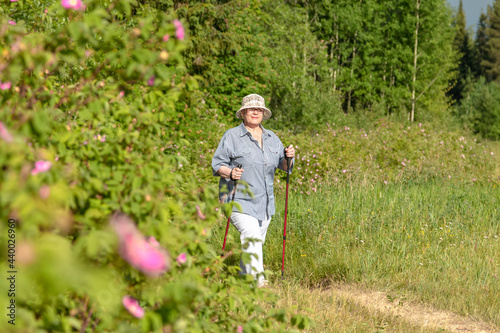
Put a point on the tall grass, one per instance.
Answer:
(438, 241)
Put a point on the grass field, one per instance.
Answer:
(435, 243)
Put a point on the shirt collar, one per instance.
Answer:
(244, 131)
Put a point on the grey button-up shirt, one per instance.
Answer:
(237, 146)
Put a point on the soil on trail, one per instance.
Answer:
(417, 314)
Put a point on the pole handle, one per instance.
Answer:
(288, 159)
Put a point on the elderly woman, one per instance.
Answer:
(260, 152)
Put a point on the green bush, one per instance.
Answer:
(93, 117)
(480, 109)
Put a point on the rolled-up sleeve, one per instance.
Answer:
(222, 155)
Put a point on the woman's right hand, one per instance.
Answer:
(225, 172)
(236, 173)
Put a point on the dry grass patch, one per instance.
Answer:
(348, 308)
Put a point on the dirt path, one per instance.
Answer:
(416, 314)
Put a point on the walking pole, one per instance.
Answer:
(288, 160)
(229, 218)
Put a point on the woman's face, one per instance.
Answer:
(253, 116)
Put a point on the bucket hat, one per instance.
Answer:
(254, 101)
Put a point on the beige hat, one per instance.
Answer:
(254, 101)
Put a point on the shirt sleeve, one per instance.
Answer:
(282, 156)
(222, 154)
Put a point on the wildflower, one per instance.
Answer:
(121, 94)
(12, 22)
(144, 254)
(164, 55)
(153, 242)
(132, 306)
(41, 166)
(403, 163)
(44, 191)
(239, 329)
(179, 30)
(5, 85)
(181, 259)
(473, 179)
(344, 171)
(151, 81)
(72, 4)
(4, 134)
(200, 213)
(166, 38)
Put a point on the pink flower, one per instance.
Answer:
(151, 81)
(153, 242)
(144, 255)
(200, 213)
(239, 329)
(41, 166)
(44, 191)
(473, 179)
(13, 0)
(72, 4)
(12, 22)
(132, 306)
(166, 38)
(403, 163)
(121, 94)
(4, 134)
(5, 85)
(344, 171)
(181, 259)
(179, 30)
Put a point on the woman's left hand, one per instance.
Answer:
(290, 151)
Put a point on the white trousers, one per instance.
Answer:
(251, 228)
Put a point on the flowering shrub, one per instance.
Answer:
(388, 152)
(90, 98)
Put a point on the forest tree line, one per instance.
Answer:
(315, 60)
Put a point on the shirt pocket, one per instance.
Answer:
(274, 153)
(242, 156)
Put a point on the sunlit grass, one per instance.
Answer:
(436, 240)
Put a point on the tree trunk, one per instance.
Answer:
(415, 57)
(352, 72)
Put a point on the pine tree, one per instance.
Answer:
(481, 46)
(463, 46)
(492, 63)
